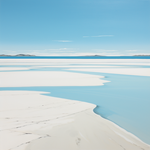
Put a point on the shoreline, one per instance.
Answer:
(40, 122)
(32, 120)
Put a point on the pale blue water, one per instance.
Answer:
(125, 100)
(75, 57)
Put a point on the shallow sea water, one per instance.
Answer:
(125, 100)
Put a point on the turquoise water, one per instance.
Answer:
(74, 57)
(125, 100)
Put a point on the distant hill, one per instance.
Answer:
(22, 55)
(141, 55)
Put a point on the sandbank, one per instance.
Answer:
(48, 62)
(12, 68)
(75, 66)
(31, 121)
(124, 71)
(48, 78)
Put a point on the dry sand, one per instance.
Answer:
(61, 62)
(124, 71)
(48, 78)
(31, 121)
(12, 68)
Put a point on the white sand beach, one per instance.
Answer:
(61, 62)
(48, 78)
(12, 68)
(74, 75)
(31, 120)
(124, 71)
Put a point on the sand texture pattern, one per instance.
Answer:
(31, 121)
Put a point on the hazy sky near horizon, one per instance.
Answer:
(75, 27)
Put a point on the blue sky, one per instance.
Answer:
(75, 27)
